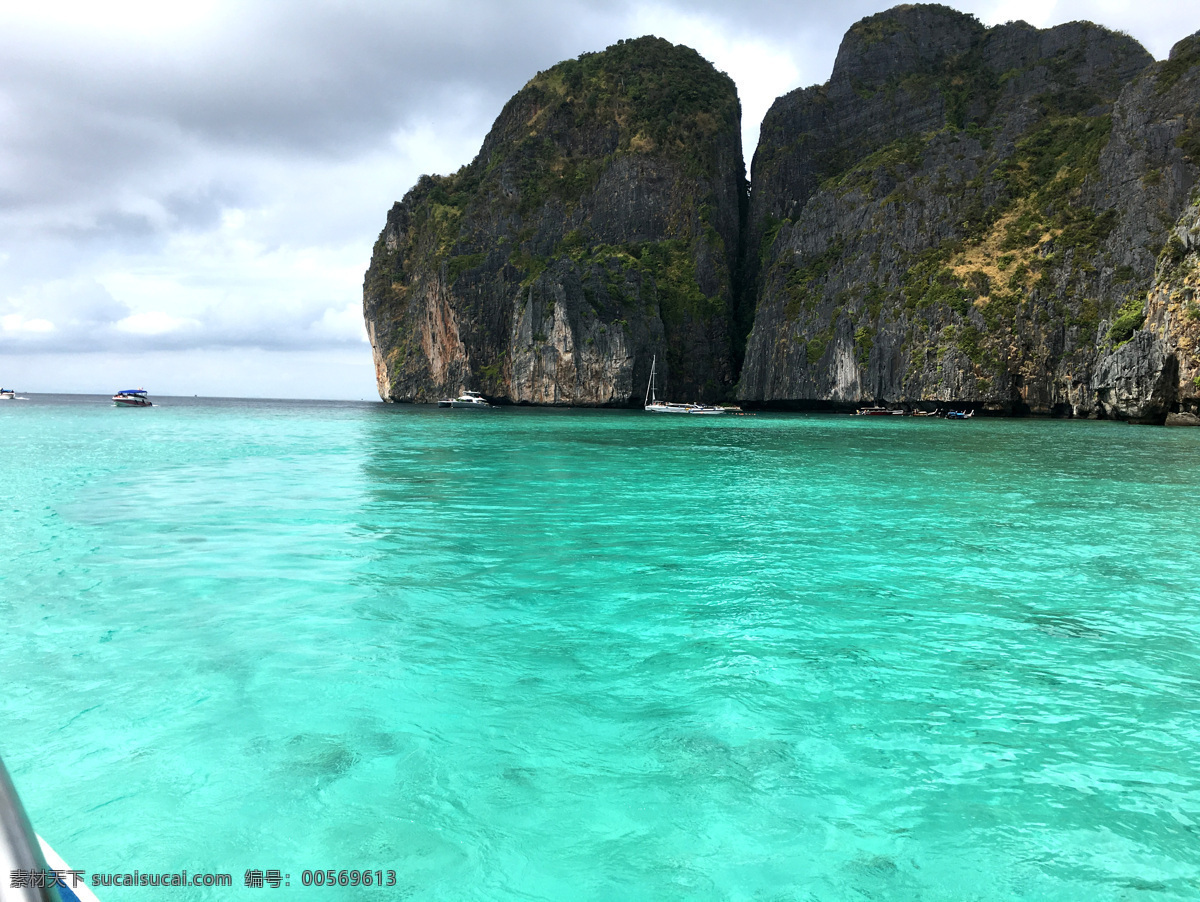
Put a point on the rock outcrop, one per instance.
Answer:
(598, 227)
(1138, 381)
(1155, 376)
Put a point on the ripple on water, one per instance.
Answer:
(596, 655)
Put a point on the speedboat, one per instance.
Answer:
(708, 409)
(959, 414)
(131, 397)
(468, 400)
(877, 412)
(7, 394)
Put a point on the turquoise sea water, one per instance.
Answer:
(587, 655)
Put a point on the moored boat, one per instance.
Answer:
(468, 400)
(878, 412)
(131, 397)
(654, 405)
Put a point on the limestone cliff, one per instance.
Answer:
(967, 215)
(1152, 374)
(598, 226)
(1004, 218)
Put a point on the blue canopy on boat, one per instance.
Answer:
(132, 391)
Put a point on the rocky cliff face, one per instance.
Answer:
(969, 215)
(598, 227)
(1000, 218)
(1152, 375)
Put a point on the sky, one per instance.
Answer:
(189, 193)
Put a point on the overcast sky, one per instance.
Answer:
(189, 193)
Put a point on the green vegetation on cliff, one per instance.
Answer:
(1184, 56)
(662, 98)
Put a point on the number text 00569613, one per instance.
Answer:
(331, 877)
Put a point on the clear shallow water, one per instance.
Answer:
(604, 655)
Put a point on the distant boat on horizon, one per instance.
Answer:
(131, 397)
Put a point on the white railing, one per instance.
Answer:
(20, 853)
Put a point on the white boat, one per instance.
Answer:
(468, 400)
(7, 394)
(131, 397)
(654, 405)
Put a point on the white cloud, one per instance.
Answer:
(59, 310)
(154, 322)
(17, 323)
(346, 323)
(1036, 12)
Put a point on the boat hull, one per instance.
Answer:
(667, 408)
(690, 409)
(131, 402)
